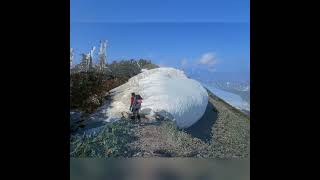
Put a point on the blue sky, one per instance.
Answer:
(214, 35)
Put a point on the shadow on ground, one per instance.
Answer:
(202, 128)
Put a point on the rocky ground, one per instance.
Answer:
(229, 135)
(230, 132)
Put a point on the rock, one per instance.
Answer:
(147, 154)
(191, 154)
(162, 153)
(138, 154)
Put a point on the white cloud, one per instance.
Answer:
(208, 59)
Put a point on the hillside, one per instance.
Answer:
(88, 88)
(220, 132)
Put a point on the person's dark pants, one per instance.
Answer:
(136, 114)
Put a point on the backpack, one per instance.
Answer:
(139, 97)
(137, 101)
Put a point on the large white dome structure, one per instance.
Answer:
(164, 90)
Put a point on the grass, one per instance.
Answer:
(111, 141)
(88, 90)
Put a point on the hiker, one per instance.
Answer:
(133, 95)
(135, 105)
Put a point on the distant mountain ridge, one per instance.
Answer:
(205, 74)
(232, 87)
(240, 88)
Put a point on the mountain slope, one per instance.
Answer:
(222, 131)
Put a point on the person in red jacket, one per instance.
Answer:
(133, 95)
(135, 105)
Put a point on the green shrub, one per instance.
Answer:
(88, 89)
(150, 66)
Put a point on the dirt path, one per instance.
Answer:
(151, 140)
